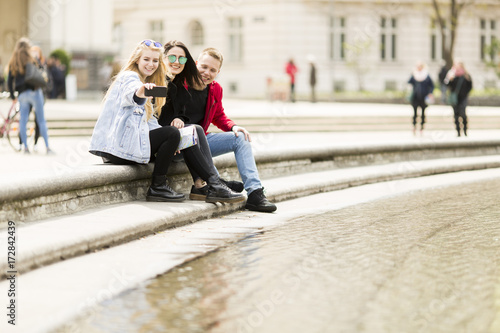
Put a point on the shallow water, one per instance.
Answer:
(427, 261)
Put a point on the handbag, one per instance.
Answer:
(34, 76)
(189, 137)
(453, 96)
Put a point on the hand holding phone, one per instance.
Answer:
(157, 91)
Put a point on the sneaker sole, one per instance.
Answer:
(225, 200)
(263, 210)
(199, 197)
(160, 199)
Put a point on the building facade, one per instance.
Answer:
(356, 45)
(83, 28)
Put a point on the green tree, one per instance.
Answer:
(64, 57)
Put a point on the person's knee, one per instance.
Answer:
(171, 133)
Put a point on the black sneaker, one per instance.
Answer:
(234, 185)
(198, 193)
(219, 192)
(257, 201)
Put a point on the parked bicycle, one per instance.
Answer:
(9, 127)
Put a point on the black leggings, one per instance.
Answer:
(164, 142)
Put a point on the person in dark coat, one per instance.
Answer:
(422, 93)
(312, 78)
(459, 82)
(442, 86)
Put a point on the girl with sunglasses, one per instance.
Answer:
(185, 75)
(127, 131)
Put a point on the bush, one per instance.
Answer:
(64, 57)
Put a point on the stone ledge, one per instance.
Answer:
(61, 238)
(43, 195)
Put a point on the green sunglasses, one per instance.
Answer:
(172, 58)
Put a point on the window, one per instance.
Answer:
(488, 39)
(337, 38)
(156, 30)
(235, 39)
(438, 42)
(118, 37)
(196, 31)
(388, 38)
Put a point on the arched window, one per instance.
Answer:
(196, 30)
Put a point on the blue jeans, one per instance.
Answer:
(222, 143)
(27, 99)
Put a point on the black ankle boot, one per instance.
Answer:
(257, 201)
(219, 192)
(234, 185)
(160, 191)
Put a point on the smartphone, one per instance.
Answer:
(157, 91)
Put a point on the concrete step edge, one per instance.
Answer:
(60, 238)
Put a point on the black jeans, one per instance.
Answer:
(199, 158)
(459, 112)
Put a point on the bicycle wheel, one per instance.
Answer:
(12, 131)
(13, 136)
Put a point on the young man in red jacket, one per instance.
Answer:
(206, 108)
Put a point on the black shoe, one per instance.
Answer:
(257, 201)
(198, 193)
(219, 192)
(159, 191)
(234, 185)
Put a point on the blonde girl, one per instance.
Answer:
(28, 96)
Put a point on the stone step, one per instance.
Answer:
(55, 239)
(84, 127)
(62, 191)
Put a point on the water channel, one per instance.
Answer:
(425, 261)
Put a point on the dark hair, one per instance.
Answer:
(190, 73)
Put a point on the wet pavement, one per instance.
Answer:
(424, 261)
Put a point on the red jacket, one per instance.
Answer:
(214, 112)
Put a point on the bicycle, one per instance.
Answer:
(9, 127)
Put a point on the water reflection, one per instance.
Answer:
(423, 262)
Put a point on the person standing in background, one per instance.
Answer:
(29, 96)
(291, 70)
(442, 86)
(2, 78)
(423, 87)
(312, 78)
(460, 83)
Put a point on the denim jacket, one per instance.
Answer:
(122, 129)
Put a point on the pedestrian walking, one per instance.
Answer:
(37, 54)
(29, 95)
(442, 86)
(312, 78)
(205, 108)
(58, 74)
(127, 132)
(291, 70)
(2, 77)
(459, 83)
(422, 88)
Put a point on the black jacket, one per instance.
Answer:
(175, 106)
(464, 84)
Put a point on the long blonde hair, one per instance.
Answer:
(20, 57)
(158, 77)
